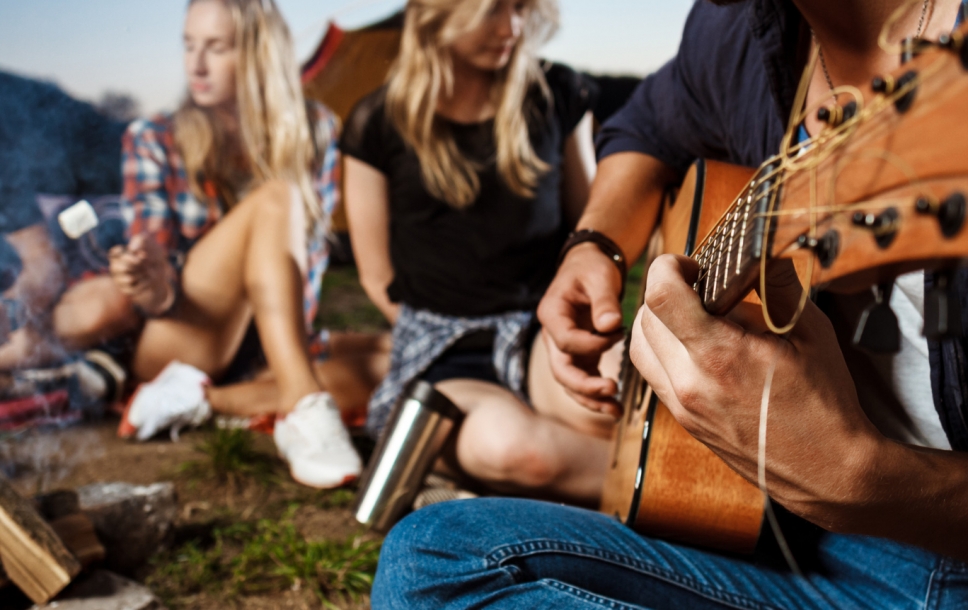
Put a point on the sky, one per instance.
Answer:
(90, 47)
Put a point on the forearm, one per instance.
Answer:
(909, 494)
(625, 199)
(918, 496)
(377, 292)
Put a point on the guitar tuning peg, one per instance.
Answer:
(878, 330)
(907, 50)
(956, 41)
(942, 312)
(887, 85)
(836, 115)
(950, 212)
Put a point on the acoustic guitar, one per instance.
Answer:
(879, 192)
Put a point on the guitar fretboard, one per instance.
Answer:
(730, 254)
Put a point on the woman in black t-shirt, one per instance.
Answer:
(464, 176)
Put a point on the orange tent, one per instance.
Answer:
(348, 65)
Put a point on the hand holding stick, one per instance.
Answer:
(142, 272)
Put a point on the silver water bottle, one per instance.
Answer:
(418, 428)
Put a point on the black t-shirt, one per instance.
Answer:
(499, 253)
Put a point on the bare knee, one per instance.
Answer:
(491, 450)
(273, 198)
(87, 315)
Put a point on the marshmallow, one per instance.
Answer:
(77, 219)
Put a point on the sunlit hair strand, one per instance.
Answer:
(278, 139)
(424, 71)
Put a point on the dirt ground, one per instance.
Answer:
(92, 453)
(248, 537)
(224, 481)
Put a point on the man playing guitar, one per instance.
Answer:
(886, 478)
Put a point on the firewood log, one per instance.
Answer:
(33, 556)
(77, 533)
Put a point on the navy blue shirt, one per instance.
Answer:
(51, 143)
(727, 96)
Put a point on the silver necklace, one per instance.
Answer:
(823, 62)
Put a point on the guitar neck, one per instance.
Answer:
(729, 257)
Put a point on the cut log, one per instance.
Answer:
(56, 504)
(77, 533)
(33, 556)
(62, 510)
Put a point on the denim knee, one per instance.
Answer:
(437, 554)
(411, 560)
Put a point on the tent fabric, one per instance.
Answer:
(348, 65)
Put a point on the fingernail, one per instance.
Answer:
(609, 318)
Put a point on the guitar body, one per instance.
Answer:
(881, 193)
(662, 482)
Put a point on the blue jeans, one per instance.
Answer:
(507, 553)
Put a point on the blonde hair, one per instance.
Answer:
(424, 70)
(278, 140)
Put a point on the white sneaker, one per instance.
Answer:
(313, 439)
(174, 399)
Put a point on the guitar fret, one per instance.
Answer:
(725, 232)
(697, 256)
(733, 215)
(746, 228)
(708, 285)
(719, 261)
(698, 285)
(764, 196)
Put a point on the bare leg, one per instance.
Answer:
(246, 398)
(37, 288)
(347, 343)
(558, 450)
(349, 378)
(86, 314)
(91, 312)
(245, 265)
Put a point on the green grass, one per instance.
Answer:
(364, 319)
(266, 556)
(633, 290)
(343, 305)
(230, 456)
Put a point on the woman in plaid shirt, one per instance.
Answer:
(229, 200)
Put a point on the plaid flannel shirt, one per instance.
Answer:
(421, 336)
(158, 201)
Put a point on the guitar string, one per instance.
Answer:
(867, 205)
(790, 161)
(767, 388)
(792, 165)
(833, 211)
(761, 464)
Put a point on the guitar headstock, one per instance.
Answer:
(880, 191)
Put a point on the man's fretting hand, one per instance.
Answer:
(710, 372)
